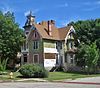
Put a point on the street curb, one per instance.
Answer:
(68, 82)
(91, 83)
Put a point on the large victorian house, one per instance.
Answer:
(48, 45)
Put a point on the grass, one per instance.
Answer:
(53, 76)
(63, 75)
(6, 77)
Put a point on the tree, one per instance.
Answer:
(11, 36)
(88, 56)
(87, 31)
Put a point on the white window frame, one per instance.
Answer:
(71, 58)
(35, 34)
(37, 56)
(35, 47)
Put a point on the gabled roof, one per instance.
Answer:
(57, 33)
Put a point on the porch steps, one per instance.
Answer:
(53, 69)
(56, 68)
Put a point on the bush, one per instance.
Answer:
(75, 69)
(3, 64)
(33, 70)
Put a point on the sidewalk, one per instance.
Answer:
(32, 79)
(91, 80)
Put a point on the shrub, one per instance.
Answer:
(33, 70)
(74, 69)
(3, 64)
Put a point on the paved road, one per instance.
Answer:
(89, 80)
(46, 85)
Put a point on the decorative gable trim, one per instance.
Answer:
(32, 33)
(70, 30)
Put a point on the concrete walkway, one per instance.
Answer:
(32, 79)
(90, 80)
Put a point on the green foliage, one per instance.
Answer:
(88, 56)
(88, 32)
(33, 70)
(11, 36)
(3, 64)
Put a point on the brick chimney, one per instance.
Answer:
(51, 23)
(49, 28)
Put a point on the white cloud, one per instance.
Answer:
(26, 13)
(6, 9)
(33, 12)
(65, 22)
(98, 2)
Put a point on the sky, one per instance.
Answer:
(62, 11)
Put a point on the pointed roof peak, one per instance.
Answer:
(30, 14)
(30, 19)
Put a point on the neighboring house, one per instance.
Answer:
(48, 45)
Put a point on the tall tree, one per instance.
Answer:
(88, 32)
(88, 56)
(11, 36)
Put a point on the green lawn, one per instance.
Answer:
(53, 76)
(63, 75)
(6, 77)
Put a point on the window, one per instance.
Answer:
(35, 45)
(71, 59)
(70, 45)
(50, 55)
(24, 45)
(56, 45)
(27, 33)
(25, 57)
(59, 44)
(35, 35)
(36, 58)
(61, 59)
(66, 57)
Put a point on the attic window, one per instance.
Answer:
(35, 35)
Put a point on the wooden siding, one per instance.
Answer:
(49, 44)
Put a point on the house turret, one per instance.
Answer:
(30, 19)
(29, 22)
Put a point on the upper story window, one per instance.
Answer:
(35, 44)
(58, 45)
(70, 45)
(35, 34)
(24, 46)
